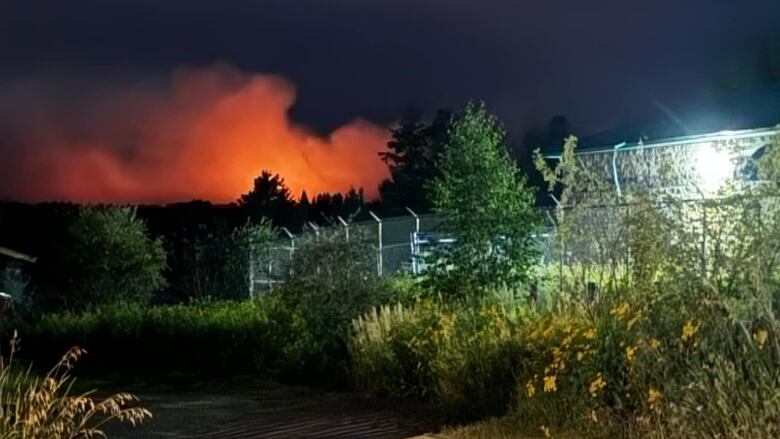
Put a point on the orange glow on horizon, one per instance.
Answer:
(215, 131)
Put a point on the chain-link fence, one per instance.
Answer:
(597, 235)
(393, 240)
(708, 228)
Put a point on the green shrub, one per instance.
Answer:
(214, 262)
(200, 337)
(461, 359)
(334, 280)
(108, 257)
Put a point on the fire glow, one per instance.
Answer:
(208, 138)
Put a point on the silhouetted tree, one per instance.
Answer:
(353, 202)
(269, 198)
(548, 138)
(411, 157)
(302, 212)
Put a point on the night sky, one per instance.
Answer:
(89, 82)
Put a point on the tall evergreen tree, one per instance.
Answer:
(411, 157)
(269, 198)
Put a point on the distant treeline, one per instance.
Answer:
(199, 237)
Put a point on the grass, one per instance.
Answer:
(459, 359)
(498, 428)
(33, 407)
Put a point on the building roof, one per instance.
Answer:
(13, 254)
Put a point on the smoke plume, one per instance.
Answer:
(206, 137)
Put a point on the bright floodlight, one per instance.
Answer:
(714, 168)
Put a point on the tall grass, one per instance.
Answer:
(33, 407)
(461, 359)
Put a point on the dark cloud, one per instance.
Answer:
(599, 62)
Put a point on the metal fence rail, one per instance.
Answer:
(607, 237)
(392, 237)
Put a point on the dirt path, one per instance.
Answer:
(264, 411)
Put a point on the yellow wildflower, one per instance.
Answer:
(630, 352)
(591, 334)
(597, 385)
(530, 388)
(761, 335)
(549, 384)
(689, 330)
(655, 343)
(653, 398)
(621, 310)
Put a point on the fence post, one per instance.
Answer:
(251, 273)
(412, 241)
(704, 230)
(379, 248)
(346, 226)
(560, 214)
(292, 247)
(416, 220)
(316, 236)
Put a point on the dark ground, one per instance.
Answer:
(246, 409)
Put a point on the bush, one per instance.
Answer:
(461, 359)
(213, 262)
(207, 337)
(334, 280)
(107, 258)
(673, 367)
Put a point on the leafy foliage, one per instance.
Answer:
(334, 279)
(460, 359)
(108, 258)
(488, 207)
(681, 340)
(215, 262)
